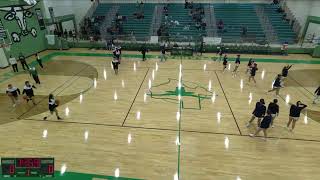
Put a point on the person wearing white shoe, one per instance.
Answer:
(265, 124)
(13, 94)
(277, 85)
(295, 111)
(258, 112)
(273, 107)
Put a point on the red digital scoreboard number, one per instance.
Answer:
(27, 167)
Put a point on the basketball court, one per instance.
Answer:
(146, 124)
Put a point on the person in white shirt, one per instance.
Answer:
(13, 63)
(13, 94)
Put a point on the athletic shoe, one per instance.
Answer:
(272, 126)
(251, 135)
(45, 118)
(59, 118)
(248, 125)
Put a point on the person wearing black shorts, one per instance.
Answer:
(316, 95)
(53, 107)
(115, 65)
(265, 124)
(253, 71)
(285, 71)
(249, 66)
(29, 92)
(258, 112)
(295, 111)
(13, 93)
(225, 63)
(277, 85)
(273, 107)
(237, 64)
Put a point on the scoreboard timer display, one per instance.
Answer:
(27, 167)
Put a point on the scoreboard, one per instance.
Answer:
(27, 167)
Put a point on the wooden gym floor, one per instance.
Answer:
(112, 122)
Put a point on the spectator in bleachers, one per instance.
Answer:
(220, 25)
(244, 30)
(275, 2)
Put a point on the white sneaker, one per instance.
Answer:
(248, 125)
(14, 105)
(251, 135)
(272, 126)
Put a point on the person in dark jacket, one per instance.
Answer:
(258, 112)
(236, 66)
(285, 71)
(265, 124)
(23, 61)
(143, 51)
(316, 95)
(277, 84)
(53, 104)
(273, 107)
(295, 111)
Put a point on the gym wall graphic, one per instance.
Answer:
(19, 14)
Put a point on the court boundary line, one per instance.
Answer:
(225, 95)
(74, 75)
(160, 129)
(134, 99)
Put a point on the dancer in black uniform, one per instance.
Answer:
(295, 111)
(285, 71)
(253, 72)
(265, 124)
(53, 104)
(277, 85)
(237, 64)
(249, 66)
(225, 63)
(29, 92)
(13, 94)
(115, 64)
(258, 112)
(273, 107)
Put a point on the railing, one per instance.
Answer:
(156, 20)
(107, 21)
(90, 12)
(296, 26)
(270, 33)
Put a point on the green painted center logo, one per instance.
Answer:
(192, 94)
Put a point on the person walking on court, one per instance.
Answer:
(28, 91)
(316, 95)
(115, 64)
(23, 62)
(277, 84)
(249, 66)
(253, 72)
(295, 111)
(39, 60)
(273, 107)
(237, 64)
(163, 54)
(220, 53)
(225, 63)
(13, 63)
(53, 104)
(258, 112)
(34, 73)
(265, 124)
(13, 94)
(285, 71)
(143, 51)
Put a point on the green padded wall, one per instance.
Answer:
(316, 52)
(28, 43)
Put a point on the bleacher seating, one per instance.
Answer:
(177, 12)
(234, 17)
(281, 27)
(139, 27)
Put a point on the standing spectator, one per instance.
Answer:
(23, 62)
(74, 35)
(143, 51)
(225, 63)
(163, 53)
(316, 95)
(13, 63)
(39, 60)
(295, 111)
(65, 34)
(284, 48)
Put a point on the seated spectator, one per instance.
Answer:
(220, 25)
